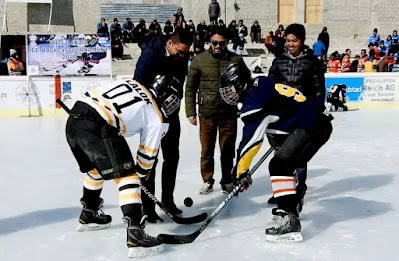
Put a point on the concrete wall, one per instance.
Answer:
(345, 19)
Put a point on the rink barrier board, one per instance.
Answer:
(21, 94)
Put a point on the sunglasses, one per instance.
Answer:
(220, 43)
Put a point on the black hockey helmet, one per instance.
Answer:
(233, 82)
(167, 91)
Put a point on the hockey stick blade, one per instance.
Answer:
(188, 220)
(179, 220)
(186, 239)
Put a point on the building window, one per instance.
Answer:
(286, 11)
(313, 11)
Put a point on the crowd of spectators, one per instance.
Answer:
(381, 56)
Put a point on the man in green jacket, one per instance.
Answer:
(214, 114)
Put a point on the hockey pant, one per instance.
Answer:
(103, 155)
(297, 150)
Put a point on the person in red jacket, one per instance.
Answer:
(346, 61)
(334, 65)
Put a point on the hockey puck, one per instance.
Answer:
(188, 202)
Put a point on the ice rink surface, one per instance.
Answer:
(351, 210)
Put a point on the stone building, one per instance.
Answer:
(349, 22)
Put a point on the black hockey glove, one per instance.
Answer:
(244, 179)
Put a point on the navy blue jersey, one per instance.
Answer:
(275, 108)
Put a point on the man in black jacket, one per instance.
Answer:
(298, 68)
(165, 56)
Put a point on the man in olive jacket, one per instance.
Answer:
(214, 114)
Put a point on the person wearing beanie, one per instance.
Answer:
(300, 69)
(14, 65)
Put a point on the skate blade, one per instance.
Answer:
(289, 237)
(277, 217)
(141, 252)
(92, 227)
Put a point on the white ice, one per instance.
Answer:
(350, 213)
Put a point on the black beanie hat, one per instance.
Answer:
(298, 30)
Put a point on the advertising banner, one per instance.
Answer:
(69, 55)
(354, 87)
(381, 89)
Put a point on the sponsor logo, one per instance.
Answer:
(354, 89)
(128, 165)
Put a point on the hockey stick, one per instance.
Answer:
(185, 239)
(177, 219)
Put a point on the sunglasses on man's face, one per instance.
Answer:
(220, 43)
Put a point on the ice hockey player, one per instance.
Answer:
(270, 107)
(336, 98)
(95, 132)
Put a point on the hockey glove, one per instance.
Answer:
(244, 179)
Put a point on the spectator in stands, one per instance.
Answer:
(279, 38)
(155, 28)
(383, 65)
(191, 28)
(362, 60)
(334, 65)
(319, 49)
(168, 28)
(325, 38)
(355, 63)
(139, 31)
(128, 28)
(240, 40)
(371, 63)
(256, 32)
(233, 30)
(145, 39)
(221, 24)
(113, 26)
(214, 12)
(346, 61)
(199, 45)
(202, 31)
(102, 27)
(180, 22)
(376, 53)
(14, 64)
(375, 37)
(174, 22)
(382, 49)
(388, 42)
(395, 35)
(269, 43)
(116, 46)
(165, 56)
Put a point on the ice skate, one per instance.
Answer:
(287, 230)
(140, 244)
(93, 219)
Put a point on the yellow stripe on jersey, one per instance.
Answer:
(245, 161)
(153, 151)
(153, 102)
(104, 110)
